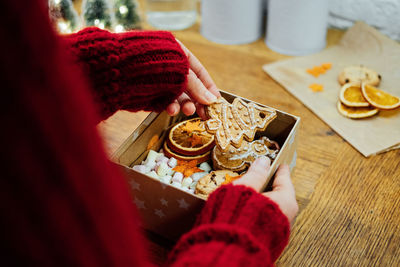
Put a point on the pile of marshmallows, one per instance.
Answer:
(158, 166)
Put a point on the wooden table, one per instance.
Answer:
(349, 205)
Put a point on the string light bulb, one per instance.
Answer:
(119, 28)
(123, 9)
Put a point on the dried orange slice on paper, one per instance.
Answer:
(356, 112)
(351, 95)
(190, 138)
(379, 98)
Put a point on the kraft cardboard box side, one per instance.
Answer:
(167, 210)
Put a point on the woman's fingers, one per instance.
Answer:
(201, 89)
(197, 91)
(283, 193)
(202, 74)
(200, 110)
(200, 71)
(257, 174)
(282, 180)
(173, 108)
(187, 106)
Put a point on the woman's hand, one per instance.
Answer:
(201, 89)
(282, 192)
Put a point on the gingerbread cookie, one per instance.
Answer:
(239, 159)
(207, 184)
(230, 123)
(359, 74)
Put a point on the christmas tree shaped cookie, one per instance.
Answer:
(230, 123)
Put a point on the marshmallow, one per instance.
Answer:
(151, 156)
(186, 182)
(150, 164)
(162, 169)
(205, 167)
(166, 179)
(153, 174)
(141, 168)
(185, 189)
(193, 185)
(177, 177)
(170, 172)
(172, 162)
(161, 158)
(197, 175)
(176, 184)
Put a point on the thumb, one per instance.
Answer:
(282, 181)
(257, 174)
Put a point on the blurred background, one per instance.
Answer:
(289, 27)
(126, 14)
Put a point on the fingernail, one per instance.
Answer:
(210, 97)
(263, 160)
(172, 110)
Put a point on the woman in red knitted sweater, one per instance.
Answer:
(62, 203)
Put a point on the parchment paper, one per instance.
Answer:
(360, 45)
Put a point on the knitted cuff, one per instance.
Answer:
(219, 245)
(245, 208)
(138, 70)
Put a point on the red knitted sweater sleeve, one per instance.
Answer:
(237, 227)
(137, 70)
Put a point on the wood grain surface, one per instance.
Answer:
(349, 205)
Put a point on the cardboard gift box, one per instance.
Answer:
(170, 211)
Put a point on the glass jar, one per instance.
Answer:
(171, 14)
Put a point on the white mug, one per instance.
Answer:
(297, 27)
(232, 21)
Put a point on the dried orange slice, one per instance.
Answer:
(190, 138)
(351, 95)
(199, 158)
(356, 112)
(378, 98)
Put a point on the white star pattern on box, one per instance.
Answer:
(159, 213)
(139, 203)
(163, 185)
(183, 204)
(134, 185)
(164, 202)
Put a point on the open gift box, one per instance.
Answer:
(170, 211)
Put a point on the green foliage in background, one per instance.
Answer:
(127, 14)
(97, 13)
(62, 11)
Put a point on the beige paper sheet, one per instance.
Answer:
(361, 44)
